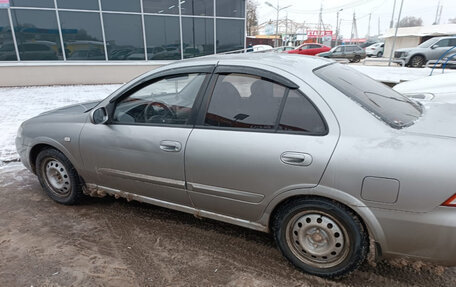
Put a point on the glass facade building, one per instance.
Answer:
(119, 30)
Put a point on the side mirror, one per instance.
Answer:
(99, 116)
(434, 46)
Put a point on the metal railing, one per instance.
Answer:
(440, 58)
(397, 61)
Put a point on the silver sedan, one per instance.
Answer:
(334, 164)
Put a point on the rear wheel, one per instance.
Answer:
(417, 61)
(320, 237)
(58, 177)
(356, 59)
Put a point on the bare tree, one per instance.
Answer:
(452, 21)
(410, 22)
(252, 20)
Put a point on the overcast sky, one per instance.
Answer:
(307, 10)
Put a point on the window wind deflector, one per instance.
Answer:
(257, 72)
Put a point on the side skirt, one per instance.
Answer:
(100, 191)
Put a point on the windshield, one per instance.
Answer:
(428, 43)
(380, 100)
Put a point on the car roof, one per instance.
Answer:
(287, 62)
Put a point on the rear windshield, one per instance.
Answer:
(380, 100)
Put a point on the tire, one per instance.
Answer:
(379, 54)
(320, 237)
(58, 177)
(417, 61)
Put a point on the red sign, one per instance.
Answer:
(4, 3)
(312, 34)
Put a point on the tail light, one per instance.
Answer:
(450, 201)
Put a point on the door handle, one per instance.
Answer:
(296, 158)
(171, 146)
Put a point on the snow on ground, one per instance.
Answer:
(20, 104)
(397, 74)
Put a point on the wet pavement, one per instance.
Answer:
(108, 242)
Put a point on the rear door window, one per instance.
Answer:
(244, 101)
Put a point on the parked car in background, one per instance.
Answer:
(431, 49)
(313, 151)
(437, 88)
(353, 53)
(375, 50)
(310, 49)
(257, 48)
(285, 49)
(367, 44)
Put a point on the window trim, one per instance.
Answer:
(206, 69)
(249, 71)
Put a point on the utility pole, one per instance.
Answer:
(354, 32)
(437, 13)
(286, 30)
(278, 9)
(337, 27)
(395, 35)
(320, 20)
(440, 14)
(392, 16)
(378, 26)
(369, 27)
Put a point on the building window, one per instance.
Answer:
(230, 35)
(161, 6)
(198, 36)
(82, 35)
(32, 3)
(7, 51)
(197, 7)
(79, 4)
(124, 36)
(231, 8)
(123, 6)
(162, 37)
(37, 35)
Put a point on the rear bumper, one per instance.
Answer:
(427, 236)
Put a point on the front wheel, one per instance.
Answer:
(417, 61)
(58, 177)
(320, 237)
(379, 54)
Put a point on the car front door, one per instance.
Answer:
(438, 49)
(339, 52)
(256, 137)
(141, 150)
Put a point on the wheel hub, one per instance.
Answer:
(57, 177)
(318, 239)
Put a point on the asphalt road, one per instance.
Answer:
(108, 242)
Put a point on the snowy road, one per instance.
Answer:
(20, 104)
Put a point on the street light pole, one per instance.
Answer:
(277, 26)
(278, 9)
(337, 26)
(395, 34)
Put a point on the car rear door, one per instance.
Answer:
(257, 135)
(141, 150)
